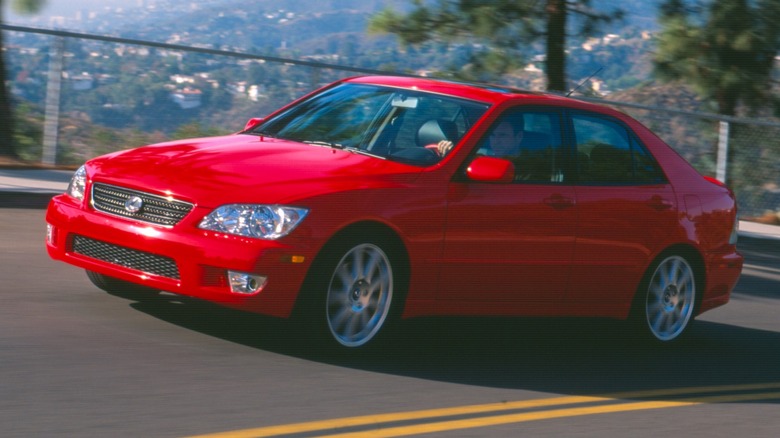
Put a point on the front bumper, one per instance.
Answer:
(182, 259)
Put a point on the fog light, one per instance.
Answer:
(242, 283)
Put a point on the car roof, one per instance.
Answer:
(487, 93)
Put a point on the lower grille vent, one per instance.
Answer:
(126, 257)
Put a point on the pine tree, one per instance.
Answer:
(505, 27)
(725, 49)
(7, 148)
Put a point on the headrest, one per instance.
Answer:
(434, 131)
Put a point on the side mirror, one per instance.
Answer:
(491, 169)
(253, 122)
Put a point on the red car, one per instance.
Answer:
(380, 198)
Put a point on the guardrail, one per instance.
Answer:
(744, 153)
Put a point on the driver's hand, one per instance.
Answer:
(443, 147)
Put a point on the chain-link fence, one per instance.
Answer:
(101, 94)
(743, 153)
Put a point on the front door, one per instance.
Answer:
(508, 246)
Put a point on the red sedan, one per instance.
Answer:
(380, 198)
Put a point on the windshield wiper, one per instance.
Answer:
(352, 149)
(355, 150)
(324, 143)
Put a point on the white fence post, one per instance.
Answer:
(723, 151)
(51, 123)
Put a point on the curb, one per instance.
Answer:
(10, 199)
(31, 187)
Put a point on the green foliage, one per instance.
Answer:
(725, 50)
(28, 132)
(500, 31)
(7, 129)
(496, 30)
(195, 130)
(27, 6)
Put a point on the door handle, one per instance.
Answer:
(659, 203)
(559, 202)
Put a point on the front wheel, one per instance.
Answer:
(360, 294)
(667, 299)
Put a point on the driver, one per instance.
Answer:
(503, 142)
(505, 139)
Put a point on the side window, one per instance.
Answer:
(531, 139)
(607, 154)
(412, 125)
(646, 169)
(448, 115)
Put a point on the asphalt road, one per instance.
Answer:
(75, 361)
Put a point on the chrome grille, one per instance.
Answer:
(155, 209)
(129, 258)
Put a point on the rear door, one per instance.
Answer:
(626, 209)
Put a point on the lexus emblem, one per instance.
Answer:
(133, 204)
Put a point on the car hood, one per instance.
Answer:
(245, 169)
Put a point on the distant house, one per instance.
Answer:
(255, 92)
(237, 87)
(187, 98)
(182, 79)
(82, 82)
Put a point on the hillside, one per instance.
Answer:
(301, 26)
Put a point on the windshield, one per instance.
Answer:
(386, 122)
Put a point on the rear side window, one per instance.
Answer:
(609, 154)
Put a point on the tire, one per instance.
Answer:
(667, 299)
(122, 288)
(357, 294)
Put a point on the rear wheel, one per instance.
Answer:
(121, 288)
(667, 299)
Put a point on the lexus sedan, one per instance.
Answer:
(376, 199)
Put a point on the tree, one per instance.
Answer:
(7, 147)
(725, 49)
(505, 27)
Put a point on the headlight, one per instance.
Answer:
(259, 221)
(78, 184)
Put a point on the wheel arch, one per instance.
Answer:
(367, 231)
(375, 231)
(696, 260)
(637, 315)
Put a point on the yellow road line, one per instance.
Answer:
(491, 420)
(400, 416)
(471, 423)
